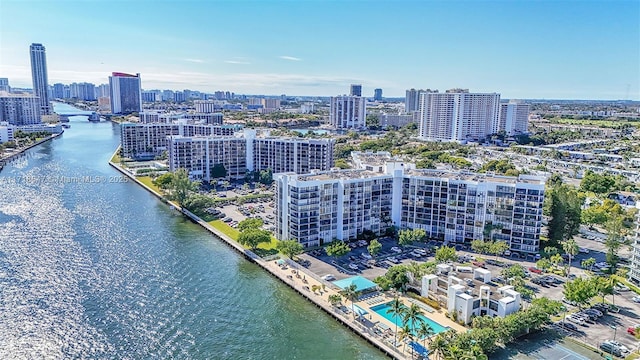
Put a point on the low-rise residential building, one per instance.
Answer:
(466, 302)
(6, 132)
(455, 207)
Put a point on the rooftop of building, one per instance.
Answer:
(476, 177)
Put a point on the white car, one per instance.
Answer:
(396, 249)
(353, 266)
(636, 299)
(583, 250)
(366, 256)
(621, 287)
(328, 277)
(622, 347)
(507, 253)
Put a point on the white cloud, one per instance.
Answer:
(237, 62)
(198, 61)
(290, 58)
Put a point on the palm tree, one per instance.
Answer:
(439, 345)
(350, 293)
(397, 309)
(425, 331)
(405, 333)
(570, 248)
(412, 316)
(335, 299)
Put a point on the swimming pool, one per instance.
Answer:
(382, 311)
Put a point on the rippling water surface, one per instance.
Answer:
(103, 270)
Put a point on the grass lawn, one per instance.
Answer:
(149, 182)
(233, 233)
(116, 158)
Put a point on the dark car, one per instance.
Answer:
(568, 326)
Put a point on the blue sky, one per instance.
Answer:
(521, 49)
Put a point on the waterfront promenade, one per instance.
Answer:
(301, 280)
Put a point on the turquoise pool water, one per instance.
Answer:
(382, 311)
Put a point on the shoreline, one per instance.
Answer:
(277, 272)
(4, 160)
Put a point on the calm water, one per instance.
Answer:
(103, 270)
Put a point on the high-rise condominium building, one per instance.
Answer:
(40, 77)
(356, 90)
(458, 115)
(125, 93)
(246, 151)
(412, 100)
(19, 109)
(514, 117)
(207, 106)
(456, 207)
(348, 112)
(140, 141)
(377, 94)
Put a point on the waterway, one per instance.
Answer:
(92, 266)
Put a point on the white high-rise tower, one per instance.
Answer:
(40, 77)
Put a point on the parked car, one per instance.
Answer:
(583, 250)
(535, 270)
(479, 264)
(568, 326)
(622, 347)
(396, 249)
(507, 253)
(576, 320)
(393, 260)
(611, 349)
(353, 266)
(621, 287)
(631, 330)
(329, 277)
(366, 256)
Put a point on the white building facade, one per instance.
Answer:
(458, 115)
(348, 112)
(40, 77)
(514, 118)
(449, 206)
(20, 109)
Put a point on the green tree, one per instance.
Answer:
(337, 249)
(374, 247)
(406, 237)
(163, 181)
(289, 248)
(254, 237)
(218, 171)
(424, 332)
(373, 121)
(588, 263)
(597, 183)
(397, 309)
(250, 223)
(580, 291)
(350, 293)
(266, 177)
(615, 239)
(514, 271)
(181, 186)
(556, 259)
(570, 248)
(498, 247)
(605, 286)
(480, 246)
(406, 335)
(564, 208)
(334, 299)
(543, 264)
(446, 253)
(550, 250)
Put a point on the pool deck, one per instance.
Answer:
(302, 280)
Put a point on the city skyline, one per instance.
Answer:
(519, 49)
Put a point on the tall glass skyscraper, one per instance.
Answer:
(125, 93)
(40, 77)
